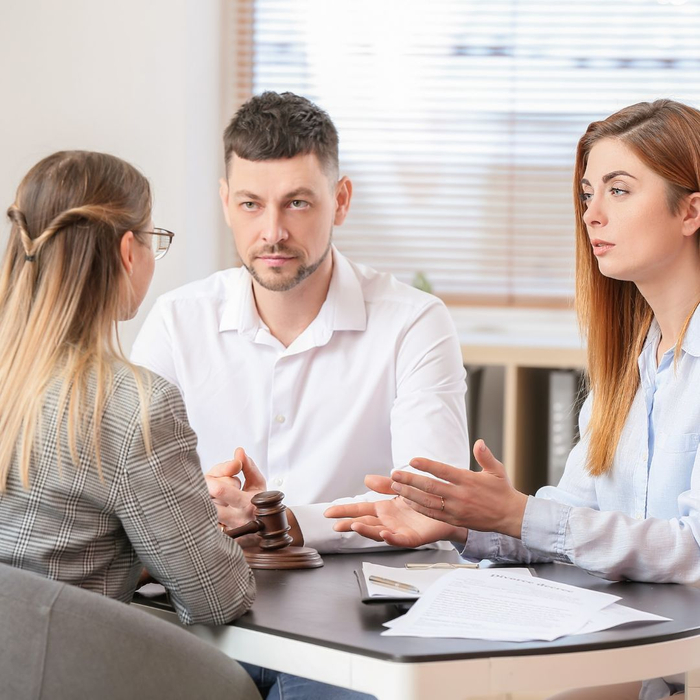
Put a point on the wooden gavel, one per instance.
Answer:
(274, 551)
(271, 521)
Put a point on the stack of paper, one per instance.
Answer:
(420, 579)
(493, 604)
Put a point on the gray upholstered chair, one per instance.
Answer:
(60, 642)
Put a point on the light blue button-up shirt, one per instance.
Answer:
(641, 520)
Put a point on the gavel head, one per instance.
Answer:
(271, 523)
(272, 519)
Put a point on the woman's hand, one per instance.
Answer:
(392, 521)
(483, 500)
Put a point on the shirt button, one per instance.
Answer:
(280, 418)
(278, 481)
(639, 516)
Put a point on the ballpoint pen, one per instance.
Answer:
(380, 581)
(444, 565)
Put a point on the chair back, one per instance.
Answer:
(60, 642)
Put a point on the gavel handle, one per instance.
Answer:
(247, 529)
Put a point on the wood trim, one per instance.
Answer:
(507, 302)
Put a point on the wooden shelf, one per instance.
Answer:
(524, 356)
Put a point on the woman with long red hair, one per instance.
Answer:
(628, 505)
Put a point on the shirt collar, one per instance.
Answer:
(652, 339)
(343, 309)
(691, 339)
(240, 313)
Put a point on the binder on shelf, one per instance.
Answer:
(565, 398)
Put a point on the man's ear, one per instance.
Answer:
(126, 249)
(343, 195)
(223, 193)
(691, 215)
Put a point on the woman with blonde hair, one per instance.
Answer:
(99, 475)
(628, 504)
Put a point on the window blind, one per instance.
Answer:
(458, 120)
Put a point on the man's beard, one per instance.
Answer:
(281, 284)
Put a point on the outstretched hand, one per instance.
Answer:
(392, 521)
(231, 500)
(483, 500)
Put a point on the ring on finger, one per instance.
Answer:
(442, 504)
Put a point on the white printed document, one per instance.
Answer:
(615, 615)
(421, 579)
(465, 603)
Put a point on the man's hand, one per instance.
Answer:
(233, 502)
(393, 521)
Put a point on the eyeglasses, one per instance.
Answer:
(160, 243)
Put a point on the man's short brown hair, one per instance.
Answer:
(272, 126)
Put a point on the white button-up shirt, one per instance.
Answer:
(641, 520)
(375, 380)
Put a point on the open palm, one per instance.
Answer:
(392, 521)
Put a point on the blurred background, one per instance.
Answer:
(458, 119)
(458, 122)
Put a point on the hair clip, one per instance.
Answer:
(30, 258)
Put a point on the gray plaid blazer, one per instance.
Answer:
(151, 510)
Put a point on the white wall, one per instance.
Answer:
(142, 79)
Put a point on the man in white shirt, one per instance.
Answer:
(324, 370)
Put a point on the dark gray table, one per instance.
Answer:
(312, 623)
